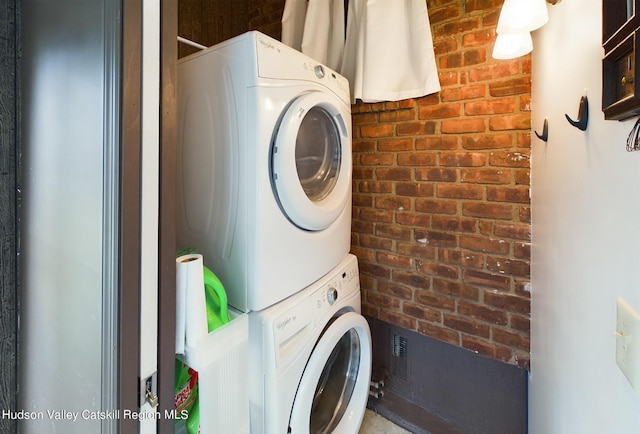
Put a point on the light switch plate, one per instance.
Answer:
(628, 343)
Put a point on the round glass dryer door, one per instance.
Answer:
(311, 161)
(334, 387)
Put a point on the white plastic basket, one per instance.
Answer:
(221, 361)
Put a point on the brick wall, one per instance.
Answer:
(441, 217)
(441, 194)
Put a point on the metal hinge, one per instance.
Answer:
(149, 390)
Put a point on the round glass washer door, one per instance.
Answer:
(333, 391)
(311, 161)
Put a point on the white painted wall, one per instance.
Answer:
(586, 235)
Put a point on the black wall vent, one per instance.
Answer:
(400, 357)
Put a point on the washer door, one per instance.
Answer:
(334, 388)
(311, 161)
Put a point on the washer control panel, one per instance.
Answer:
(342, 284)
(302, 313)
(332, 295)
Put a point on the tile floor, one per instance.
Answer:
(375, 424)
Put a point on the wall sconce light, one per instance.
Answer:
(518, 18)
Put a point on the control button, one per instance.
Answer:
(319, 70)
(332, 295)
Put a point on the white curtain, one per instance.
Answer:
(387, 53)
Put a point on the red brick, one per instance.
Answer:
(482, 278)
(378, 130)
(485, 176)
(361, 200)
(417, 159)
(436, 206)
(484, 244)
(440, 111)
(374, 186)
(464, 258)
(520, 322)
(512, 267)
(463, 125)
(418, 281)
(416, 250)
(395, 145)
(457, 191)
(478, 39)
(453, 224)
(422, 312)
(511, 86)
(436, 143)
(444, 14)
(413, 219)
(398, 116)
(398, 319)
(515, 231)
(437, 174)
(484, 313)
(416, 128)
(522, 251)
(508, 302)
(508, 194)
(431, 299)
(438, 269)
(392, 202)
(378, 159)
(361, 227)
(487, 210)
(393, 231)
(494, 71)
(374, 270)
(376, 243)
(509, 159)
(489, 107)
(414, 189)
(398, 291)
(463, 159)
(456, 289)
(393, 259)
(520, 121)
(465, 325)
(376, 215)
(438, 332)
(511, 339)
(382, 300)
(362, 145)
(438, 239)
(487, 141)
(394, 174)
(364, 118)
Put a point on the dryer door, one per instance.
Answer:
(333, 391)
(311, 160)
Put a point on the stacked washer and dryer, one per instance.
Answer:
(264, 192)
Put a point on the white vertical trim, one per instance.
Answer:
(149, 197)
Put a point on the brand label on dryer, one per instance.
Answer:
(291, 329)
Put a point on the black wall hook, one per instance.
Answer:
(583, 115)
(545, 131)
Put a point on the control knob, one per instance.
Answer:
(332, 295)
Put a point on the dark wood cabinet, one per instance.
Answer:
(620, 73)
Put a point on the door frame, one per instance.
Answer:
(130, 211)
(9, 121)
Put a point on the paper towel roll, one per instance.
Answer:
(191, 310)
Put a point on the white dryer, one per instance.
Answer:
(264, 167)
(311, 359)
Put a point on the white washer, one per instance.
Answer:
(264, 167)
(311, 359)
